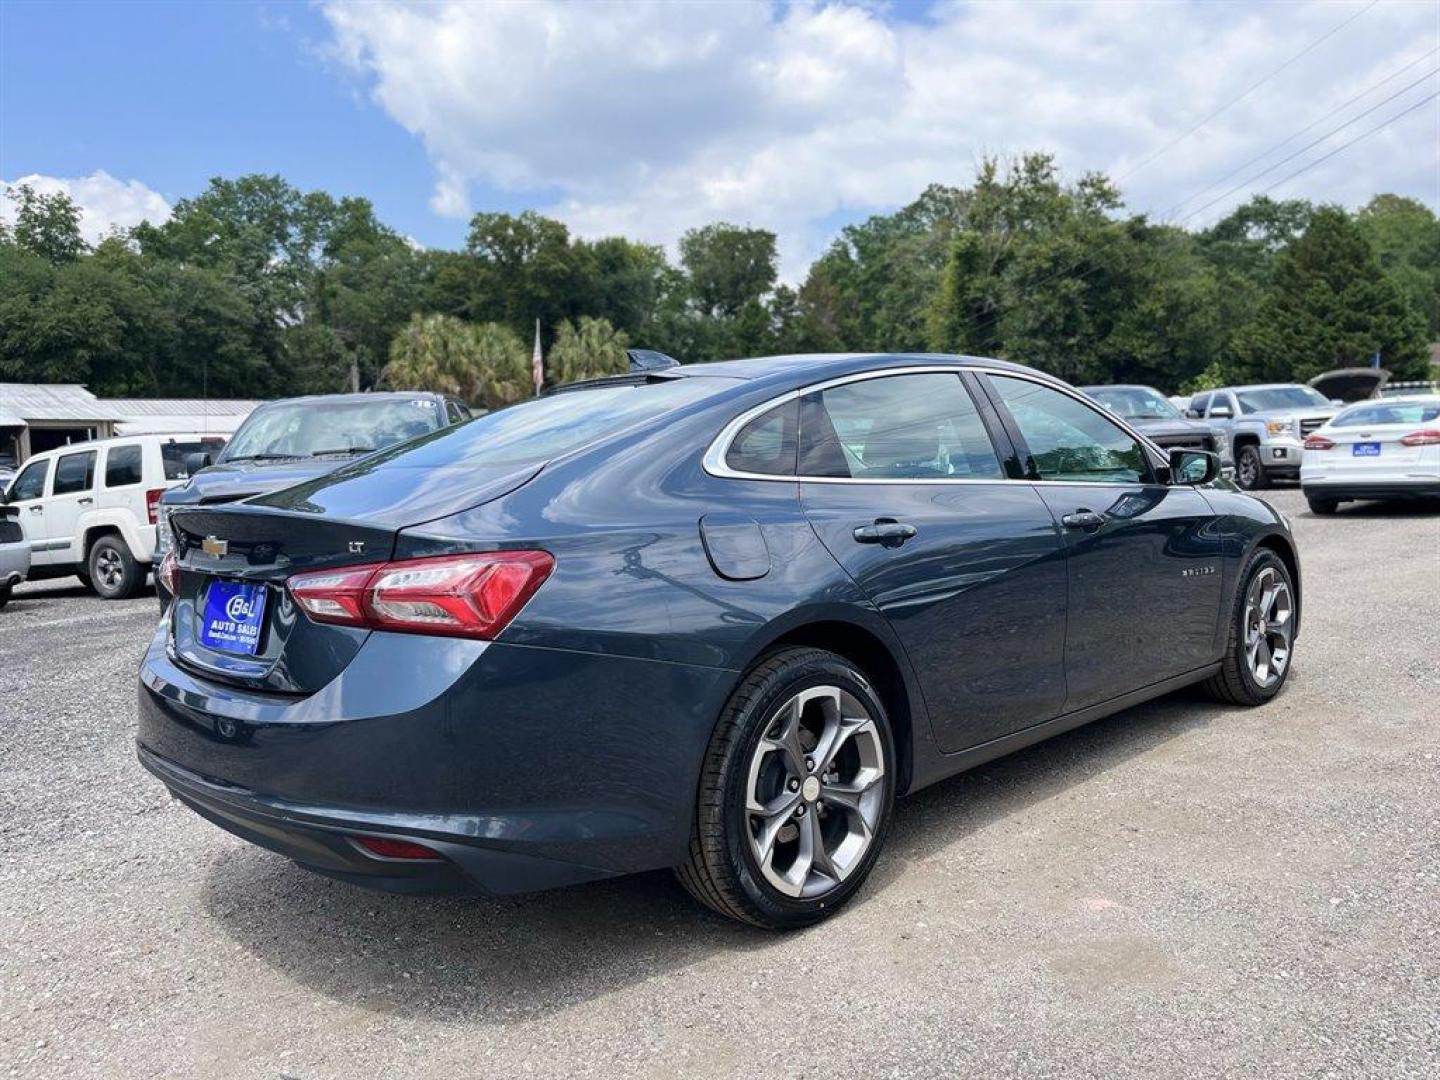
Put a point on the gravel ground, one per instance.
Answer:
(1180, 890)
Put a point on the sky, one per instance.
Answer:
(646, 119)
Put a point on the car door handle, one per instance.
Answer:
(37, 509)
(85, 501)
(885, 531)
(1083, 519)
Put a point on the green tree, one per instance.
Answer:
(484, 363)
(589, 349)
(1330, 306)
(729, 267)
(46, 225)
(1405, 235)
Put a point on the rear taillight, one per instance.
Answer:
(1319, 442)
(1425, 437)
(168, 573)
(389, 848)
(152, 503)
(472, 595)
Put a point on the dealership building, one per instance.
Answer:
(42, 416)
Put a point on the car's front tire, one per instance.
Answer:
(1260, 645)
(1250, 470)
(114, 573)
(796, 793)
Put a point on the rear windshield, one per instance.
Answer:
(296, 429)
(544, 428)
(173, 455)
(1394, 412)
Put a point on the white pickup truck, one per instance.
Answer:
(89, 509)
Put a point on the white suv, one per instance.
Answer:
(89, 509)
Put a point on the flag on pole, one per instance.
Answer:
(537, 362)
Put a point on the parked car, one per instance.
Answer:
(285, 442)
(89, 509)
(715, 619)
(14, 552)
(1149, 412)
(1410, 388)
(1385, 449)
(1265, 426)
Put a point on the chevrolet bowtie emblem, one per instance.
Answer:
(213, 545)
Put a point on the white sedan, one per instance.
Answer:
(1379, 449)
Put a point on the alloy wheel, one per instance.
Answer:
(1247, 469)
(1269, 627)
(815, 791)
(109, 569)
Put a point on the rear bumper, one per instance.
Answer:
(524, 767)
(1343, 490)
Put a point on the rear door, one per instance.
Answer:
(904, 478)
(72, 492)
(1143, 556)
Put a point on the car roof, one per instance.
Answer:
(1121, 386)
(1263, 386)
(158, 436)
(819, 366)
(363, 396)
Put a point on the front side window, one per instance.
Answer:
(766, 444)
(1220, 406)
(1068, 440)
(122, 466)
(30, 484)
(173, 455)
(74, 472)
(897, 427)
(1199, 403)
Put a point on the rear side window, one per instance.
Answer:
(899, 427)
(1067, 439)
(74, 472)
(767, 444)
(30, 484)
(122, 466)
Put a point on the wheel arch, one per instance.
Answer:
(880, 658)
(1284, 549)
(92, 535)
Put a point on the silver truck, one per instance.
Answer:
(1265, 425)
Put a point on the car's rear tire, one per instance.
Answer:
(1260, 645)
(1250, 470)
(796, 793)
(1323, 506)
(5, 592)
(114, 573)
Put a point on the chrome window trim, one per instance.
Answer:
(714, 459)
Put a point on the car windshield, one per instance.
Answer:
(1373, 414)
(543, 428)
(1135, 403)
(300, 429)
(1279, 397)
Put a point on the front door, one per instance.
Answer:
(1144, 557)
(902, 481)
(27, 491)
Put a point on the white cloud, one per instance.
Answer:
(105, 202)
(649, 118)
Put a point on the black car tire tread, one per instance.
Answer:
(1232, 684)
(1262, 479)
(5, 591)
(1323, 506)
(132, 583)
(710, 874)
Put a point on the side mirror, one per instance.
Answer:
(1193, 466)
(1337, 402)
(196, 460)
(1193, 414)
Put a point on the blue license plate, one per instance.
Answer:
(1366, 449)
(233, 615)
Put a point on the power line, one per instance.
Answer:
(1343, 146)
(1309, 146)
(1295, 135)
(1247, 92)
